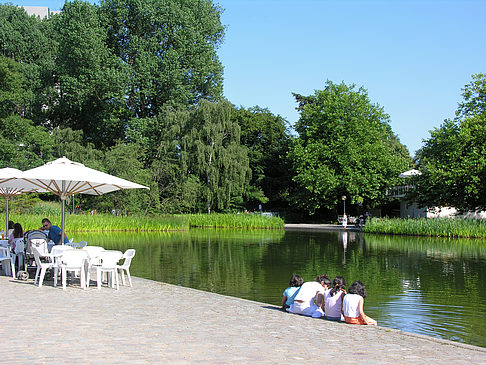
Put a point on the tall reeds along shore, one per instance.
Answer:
(432, 227)
(109, 222)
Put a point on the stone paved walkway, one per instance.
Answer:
(161, 323)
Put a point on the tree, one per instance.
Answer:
(170, 48)
(345, 147)
(22, 145)
(453, 159)
(211, 152)
(29, 41)
(179, 192)
(267, 139)
(11, 87)
(92, 80)
(125, 160)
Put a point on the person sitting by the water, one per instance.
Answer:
(289, 294)
(333, 299)
(54, 233)
(310, 297)
(353, 303)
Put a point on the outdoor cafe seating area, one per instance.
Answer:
(77, 262)
(73, 260)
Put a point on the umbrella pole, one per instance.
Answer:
(6, 225)
(62, 232)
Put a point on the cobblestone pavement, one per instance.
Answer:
(161, 323)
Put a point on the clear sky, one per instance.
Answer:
(414, 57)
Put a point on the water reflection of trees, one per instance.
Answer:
(223, 261)
(451, 276)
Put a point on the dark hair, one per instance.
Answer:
(337, 285)
(357, 288)
(296, 280)
(17, 230)
(45, 220)
(10, 224)
(325, 279)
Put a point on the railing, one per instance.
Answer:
(399, 191)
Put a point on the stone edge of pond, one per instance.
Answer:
(320, 227)
(378, 328)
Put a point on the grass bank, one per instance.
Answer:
(109, 222)
(431, 227)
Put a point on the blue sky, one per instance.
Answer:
(413, 57)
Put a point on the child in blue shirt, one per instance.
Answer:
(289, 294)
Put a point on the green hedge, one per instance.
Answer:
(109, 222)
(433, 227)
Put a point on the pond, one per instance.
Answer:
(435, 287)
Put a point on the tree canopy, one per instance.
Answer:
(345, 147)
(453, 159)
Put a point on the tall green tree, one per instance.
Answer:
(211, 152)
(29, 41)
(453, 159)
(345, 147)
(92, 80)
(169, 47)
(22, 145)
(267, 138)
(179, 191)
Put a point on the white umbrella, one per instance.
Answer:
(11, 184)
(409, 173)
(64, 178)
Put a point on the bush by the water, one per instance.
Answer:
(110, 222)
(438, 227)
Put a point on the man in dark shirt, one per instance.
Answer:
(54, 232)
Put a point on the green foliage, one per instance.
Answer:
(247, 221)
(126, 161)
(11, 87)
(29, 41)
(170, 48)
(345, 147)
(109, 222)
(438, 227)
(22, 145)
(211, 151)
(267, 139)
(453, 159)
(91, 77)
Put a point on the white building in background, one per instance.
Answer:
(410, 209)
(40, 11)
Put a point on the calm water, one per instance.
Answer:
(435, 287)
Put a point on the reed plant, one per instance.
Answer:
(109, 222)
(432, 227)
(246, 221)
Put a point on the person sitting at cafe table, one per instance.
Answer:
(10, 228)
(54, 233)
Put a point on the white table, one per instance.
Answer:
(3, 243)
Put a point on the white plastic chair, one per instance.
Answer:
(128, 256)
(74, 261)
(7, 261)
(81, 244)
(42, 267)
(40, 244)
(93, 252)
(109, 262)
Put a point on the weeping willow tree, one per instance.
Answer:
(211, 151)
